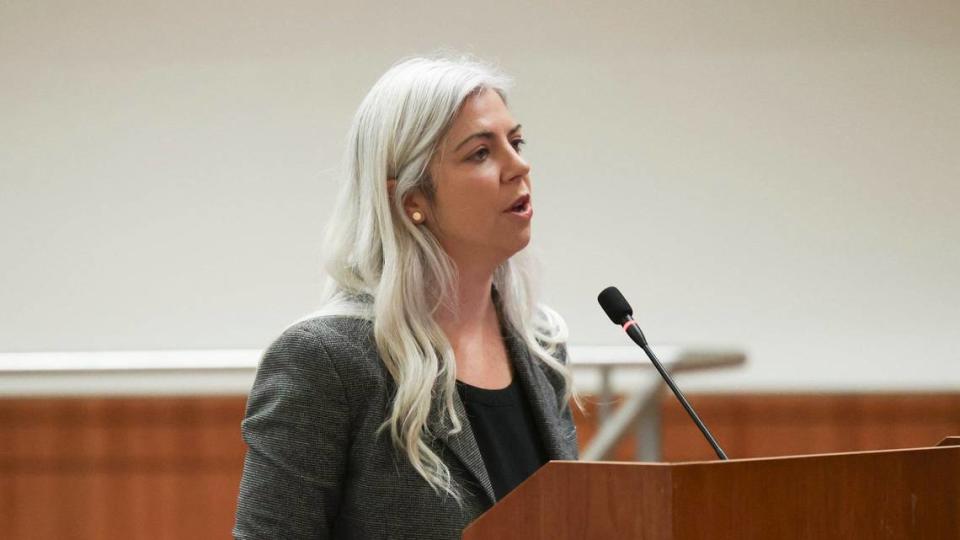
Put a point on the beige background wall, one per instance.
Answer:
(779, 176)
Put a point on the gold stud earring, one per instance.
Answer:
(416, 216)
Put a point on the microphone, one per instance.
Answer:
(620, 312)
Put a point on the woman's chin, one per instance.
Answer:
(522, 242)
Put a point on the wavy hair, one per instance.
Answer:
(384, 268)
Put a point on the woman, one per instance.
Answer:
(431, 383)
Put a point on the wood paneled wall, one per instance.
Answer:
(158, 468)
(119, 468)
(757, 425)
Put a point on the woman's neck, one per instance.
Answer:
(473, 330)
(474, 303)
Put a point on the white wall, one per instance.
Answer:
(783, 177)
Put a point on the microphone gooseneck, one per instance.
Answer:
(618, 309)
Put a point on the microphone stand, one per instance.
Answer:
(633, 330)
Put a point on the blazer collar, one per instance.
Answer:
(541, 395)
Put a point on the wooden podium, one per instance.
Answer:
(904, 494)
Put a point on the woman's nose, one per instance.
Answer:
(517, 167)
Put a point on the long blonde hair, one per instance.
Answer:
(383, 268)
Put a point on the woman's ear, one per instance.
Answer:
(413, 205)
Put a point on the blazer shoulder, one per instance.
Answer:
(346, 343)
(333, 331)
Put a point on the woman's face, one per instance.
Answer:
(481, 211)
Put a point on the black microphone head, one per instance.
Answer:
(615, 305)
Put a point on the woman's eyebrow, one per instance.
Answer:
(485, 135)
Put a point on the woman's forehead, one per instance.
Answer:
(484, 111)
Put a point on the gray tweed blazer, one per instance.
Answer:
(315, 465)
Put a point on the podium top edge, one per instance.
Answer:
(948, 448)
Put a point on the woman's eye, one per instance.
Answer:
(483, 153)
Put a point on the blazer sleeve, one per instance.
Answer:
(297, 430)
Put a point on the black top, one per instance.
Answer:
(506, 433)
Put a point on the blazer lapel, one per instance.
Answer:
(463, 444)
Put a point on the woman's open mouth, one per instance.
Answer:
(522, 207)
